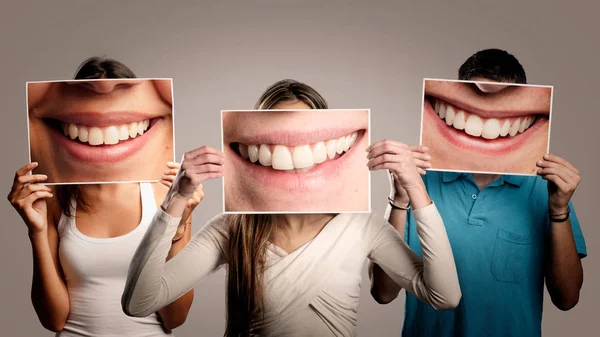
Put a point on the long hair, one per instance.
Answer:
(92, 68)
(250, 233)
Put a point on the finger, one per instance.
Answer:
(203, 159)
(206, 168)
(422, 164)
(386, 142)
(31, 178)
(24, 170)
(171, 171)
(382, 166)
(200, 151)
(30, 189)
(421, 156)
(173, 164)
(551, 164)
(557, 159)
(557, 172)
(211, 175)
(386, 148)
(28, 202)
(421, 171)
(385, 158)
(557, 181)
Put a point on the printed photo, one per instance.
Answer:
(101, 131)
(296, 161)
(485, 127)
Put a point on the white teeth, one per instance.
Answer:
(474, 126)
(303, 157)
(515, 127)
(281, 158)
(264, 155)
(449, 115)
(123, 132)
(491, 129)
(84, 133)
(95, 136)
(297, 159)
(340, 142)
(133, 131)
(459, 121)
(109, 135)
(253, 153)
(319, 152)
(243, 150)
(505, 128)
(72, 131)
(331, 148)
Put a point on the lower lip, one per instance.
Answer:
(311, 180)
(493, 147)
(104, 153)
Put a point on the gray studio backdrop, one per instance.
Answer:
(358, 55)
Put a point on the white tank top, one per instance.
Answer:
(95, 271)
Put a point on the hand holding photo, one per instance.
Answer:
(296, 161)
(485, 127)
(100, 131)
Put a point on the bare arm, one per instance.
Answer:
(49, 294)
(564, 272)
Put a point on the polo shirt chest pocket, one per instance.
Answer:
(512, 256)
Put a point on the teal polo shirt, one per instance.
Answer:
(498, 238)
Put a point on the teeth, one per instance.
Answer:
(319, 153)
(490, 128)
(264, 155)
(95, 136)
(505, 128)
(281, 158)
(297, 159)
(106, 135)
(449, 115)
(331, 148)
(253, 153)
(303, 156)
(474, 126)
(459, 121)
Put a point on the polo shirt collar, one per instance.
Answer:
(514, 180)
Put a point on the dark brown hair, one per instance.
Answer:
(494, 64)
(92, 68)
(250, 234)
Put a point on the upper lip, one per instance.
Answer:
(292, 137)
(486, 113)
(101, 119)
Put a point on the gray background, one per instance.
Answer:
(358, 55)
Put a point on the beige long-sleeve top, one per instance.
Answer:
(313, 291)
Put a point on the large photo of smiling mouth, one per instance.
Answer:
(97, 140)
(297, 159)
(478, 126)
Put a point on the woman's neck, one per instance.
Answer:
(100, 195)
(299, 223)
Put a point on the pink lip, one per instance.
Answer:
(103, 153)
(485, 113)
(492, 147)
(312, 180)
(101, 119)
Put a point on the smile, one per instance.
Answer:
(487, 132)
(103, 138)
(296, 159)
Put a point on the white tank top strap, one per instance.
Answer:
(148, 203)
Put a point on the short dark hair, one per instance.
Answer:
(92, 68)
(494, 64)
